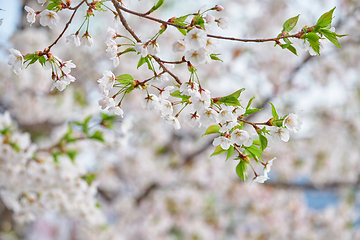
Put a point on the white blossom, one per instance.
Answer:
(59, 84)
(112, 48)
(87, 40)
(209, 18)
(49, 18)
(193, 119)
(208, 117)
(150, 102)
(228, 125)
(107, 80)
(260, 178)
(165, 93)
(239, 137)
(142, 49)
(179, 46)
(73, 39)
(196, 56)
(224, 142)
(196, 38)
(281, 133)
(67, 66)
(252, 137)
(268, 165)
(223, 22)
(211, 44)
(42, 1)
(31, 15)
(173, 121)
(116, 110)
(166, 107)
(292, 122)
(16, 61)
(160, 79)
(153, 48)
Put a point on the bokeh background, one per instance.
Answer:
(154, 182)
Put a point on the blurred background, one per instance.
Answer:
(154, 182)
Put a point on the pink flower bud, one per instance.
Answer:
(219, 8)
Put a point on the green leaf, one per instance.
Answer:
(218, 150)
(212, 129)
(149, 64)
(292, 49)
(177, 94)
(331, 36)
(125, 77)
(199, 20)
(313, 40)
(157, 5)
(286, 40)
(230, 152)
(42, 60)
(263, 142)
(51, 6)
(290, 24)
(249, 103)
(142, 60)
(183, 31)
(273, 111)
(89, 178)
(325, 19)
(231, 99)
(241, 170)
(250, 111)
(98, 135)
(215, 57)
(72, 154)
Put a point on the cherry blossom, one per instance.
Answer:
(16, 61)
(196, 38)
(73, 39)
(281, 133)
(224, 142)
(49, 18)
(223, 22)
(292, 122)
(31, 16)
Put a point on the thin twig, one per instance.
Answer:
(158, 60)
(123, 20)
(296, 35)
(67, 25)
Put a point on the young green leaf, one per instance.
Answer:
(313, 40)
(142, 60)
(292, 49)
(263, 142)
(215, 57)
(157, 5)
(98, 135)
(212, 129)
(218, 150)
(241, 170)
(290, 24)
(273, 111)
(230, 152)
(325, 19)
(331, 36)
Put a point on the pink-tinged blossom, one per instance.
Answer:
(179, 46)
(173, 121)
(193, 119)
(73, 39)
(196, 38)
(16, 61)
(223, 22)
(196, 56)
(31, 15)
(49, 18)
(292, 122)
(142, 49)
(239, 137)
(281, 133)
(223, 142)
(219, 8)
(209, 18)
(209, 117)
(106, 102)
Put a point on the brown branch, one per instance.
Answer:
(123, 20)
(296, 35)
(66, 26)
(158, 60)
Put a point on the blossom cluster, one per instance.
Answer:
(33, 184)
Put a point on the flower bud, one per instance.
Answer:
(219, 8)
